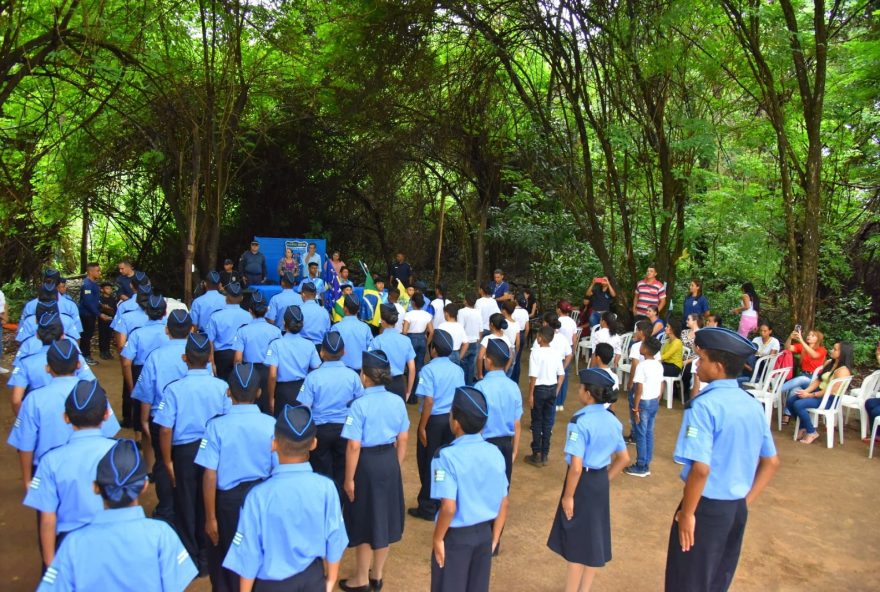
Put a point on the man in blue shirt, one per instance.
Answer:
(355, 333)
(208, 303)
(498, 286)
(287, 297)
(223, 326)
(316, 321)
(124, 280)
(292, 522)
(401, 271)
(729, 457)
(89, 307)
(252, 264)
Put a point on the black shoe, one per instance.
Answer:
(91, 361)
(125, 424)
(534, 459)
(419, 513)
(106, 356)
(543, 460)
(343, 585)
(376, 585)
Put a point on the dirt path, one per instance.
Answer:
(812, 530)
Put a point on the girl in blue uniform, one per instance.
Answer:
(289, 358)
(400, 352)
(595, 453)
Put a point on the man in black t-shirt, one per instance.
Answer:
(600, 298)
(401, 270)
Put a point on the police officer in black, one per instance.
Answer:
(252, 264)
(229, 275)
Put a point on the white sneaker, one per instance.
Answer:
(559, 408)
(4, 370)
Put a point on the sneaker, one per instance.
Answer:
(4, 370)
(91, 361)
(559, 408)
(636, 471)
(418, 513)
(630, 440)
(544, 460)
(678, 462)
(534, 459)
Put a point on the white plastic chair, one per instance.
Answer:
(873, 436)
(575, 315)
(857, 397)
(760, 371)
(584, 347)
(670, 381)
(837, 386)
(770, 394)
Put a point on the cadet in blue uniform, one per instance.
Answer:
(187, 405)
(314, 279)
(377, 430)
(208, 303)
(140, 284)
(139, 344)
(66, 307)
(505, 403)
(251, 345)
(121, 549)
(354, 332)
(287, 297)
(130, 315)
(163, 366)
(729, 457)
(290, 358)
(468, 478)
(236, 454)
(316, 321)
(328, 391)
(40, 424)
(62, 490)
(581, 531)
(222, 327)
(399, 350)
(291, 523)
(436, 388)
(47, 302)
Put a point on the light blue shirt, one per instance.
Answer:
(397, 347)
(28, 327)
(253, 340)
(593, 435)
(329, 390)
(143, 341)
(293, 356)
(187, 405)
(204, 306)
(279, 303)
(357, 337)
(504, 401)
(40, 424)
(471, 472)
(30, 371)
(32, 345)
(163, 366)
(64, 482)
(286, 523)
(225, 323)
(238, 446)
(438, 379)
(316, 322)
(376, 418)
(131, 320)
(725, 428)
(66, 307)
(121, 550)
(317, 281)
(122, 308)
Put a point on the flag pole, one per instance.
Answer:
(439, 240)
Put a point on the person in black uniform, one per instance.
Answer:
(108, 311)
(252, 264)
(229, 275)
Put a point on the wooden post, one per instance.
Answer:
(439, 240)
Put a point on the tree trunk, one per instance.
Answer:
(192, 216)
(84, 240)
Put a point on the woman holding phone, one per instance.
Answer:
(600, 298)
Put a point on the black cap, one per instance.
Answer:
(470, 402)
(85, 396)
(499, 348)
(333, 342)
(244, 376)
(388, 308)
(141, 277)
(47, 319)
(420, 285)
(350, 301)
(258, 301)
(596, 377)
(122, 472)
(155, 303)
(293, 313)
(61, 351)
(295, 423)
(62, 280)
(309, 287)
(227, 261)
(375, 359)
(46, 306)
(289, 277)
(721, 339)
(179, 318)
(52, 275)
(233, 288)
(213, 277)
(315, 263)
(442, 342)
(253, 242)
(197, 343)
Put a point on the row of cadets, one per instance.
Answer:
(376, 430)
(142, 341)
(436, 388)
(222, 328)
(187, 405)
(316, 321)
(66, 306)
(290, 358)
(328, 391)
(469, 480)
(120, 549)
(47, 301)
(141, 287)
(208, 303)
(162, 367)
(400, 352)
(287, 297)
(355, 333)
(236, 454)
(251, 344)
(61, 491)
(291, 523)
(29, 371)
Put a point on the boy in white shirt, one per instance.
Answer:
(521, 316)
(439, 305)
(393, 297)
(472, 322)
(487, 306)
(460, 344)
(644, 402)
(546, 373)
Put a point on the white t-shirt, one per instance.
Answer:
(438, 304)
(649, 374)
(2, 302)
(512, 331)
(401, 312)
(484, 343)
(456, 331)
(545, 366)
(766, 349)
(472, 322)
(418, 320)
(487, 307)
(568, 327)
(521, 316)
(635, 354)
(560, 344)
(603, 335)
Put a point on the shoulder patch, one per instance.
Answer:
(349, 420)
(203, 444)
(237, 539)
(692, 432)
(50, 576)
(35, 483)
(17, 422)
(439, 476)
(573, 436)
(182, 556)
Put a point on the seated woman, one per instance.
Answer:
(812, 358)
(672, 351)
(584, 317)
(839, 366)
(714, 320)
(288, 263)
(872, 406)
(767, 346)
(609, 332)
(657, 324)
(694, 324)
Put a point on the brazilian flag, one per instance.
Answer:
(338, 310)
(370, 312)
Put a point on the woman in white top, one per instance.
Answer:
(767, 344)
(750, 308)
(567, 325)
(497, 327)
(419, 327)
(514, 329)
(609, 333)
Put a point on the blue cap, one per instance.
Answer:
(295, 423)
(350, 301)
(197, 343)
(498, 347)
(293, 313)
(61, 351)
(258, 301)
(375, 359)
(244, 377)
(288, 277)
(156, 303)
(50, 318)
(309, 287)
(333, 342)
(146, 288)
(179, 318)
(442, 342)
(52, 275)
(48, 291)
(141, 278)
(721, 339)
(233, 288)
(213, 277)
(46, 306)
(85, 396)
(122, 472)
(470, 402)
(596, 377)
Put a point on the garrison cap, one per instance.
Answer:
(156, 303)
(258, 301)
(197, 343)
(309, 286)
(145, 288)
(122, 472)
(375, 359)
(62, 351)
(442, 342)
(213, 277)
(596, 377)
(350, 301)
(420, 285)
(48, 291)
(228, 262)
(179, 318)
(498, 348)
(233, 288)
(85, 396)
(721, 339)
(288, 277)
(293, 313)
(333, 342)
(141, 278)
(254, 242)
(47, 319)
(470, 402)
(244, 377)
(46, 306)
(295, 423)
(52, 275)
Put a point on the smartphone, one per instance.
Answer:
(797, 328)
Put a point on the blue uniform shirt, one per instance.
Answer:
(64, 480)
(329, 390)
(122, 308)
(504, 401)
(253, 340)
(32, 345)
(143, 341)
(357, 337)
(593, 435)
(698, 306)
(67, 307)
(316, 322)
(471, 472)
(317, 281)
(376, 418)
(225, 323)
(293, 356)
(438, 379)
(725, 428)
(397, 347)
(90, 298)
(132, 320)
(30, 371)
(238, 446)
(188, 403)
(40, 425)
(279, 303)
(121, 550)
(286, 523)
(28, 327)
(204, 306)
(163, 366)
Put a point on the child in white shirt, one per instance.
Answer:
(546, 374)
(644, 403)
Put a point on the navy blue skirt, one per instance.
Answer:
(586, 538)
(376, 516)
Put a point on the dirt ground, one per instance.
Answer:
(811, 530)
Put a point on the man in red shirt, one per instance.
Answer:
(649, 291)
